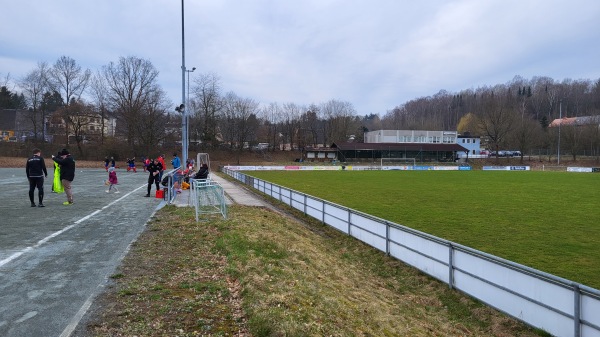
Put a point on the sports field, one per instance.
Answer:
(546, 220)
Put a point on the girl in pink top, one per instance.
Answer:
(112, 180)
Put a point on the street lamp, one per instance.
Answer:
(184, 128)
(559, 124)
(187, 102)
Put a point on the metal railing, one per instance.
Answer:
(169, 189)
(553, 304)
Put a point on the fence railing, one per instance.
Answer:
(553, 304)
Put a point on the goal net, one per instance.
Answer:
(394, 163)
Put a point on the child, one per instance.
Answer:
(112, 180)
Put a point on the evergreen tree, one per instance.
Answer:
(5, 98)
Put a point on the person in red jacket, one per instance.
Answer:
(161, 160)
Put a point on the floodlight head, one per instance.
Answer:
(194, 68)
(180, 108)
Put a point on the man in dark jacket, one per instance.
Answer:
(67, 173)
(154, 169)
(36, 171)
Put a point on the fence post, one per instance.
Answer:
(577, 310)
(450, 266)
(305, 198)
(349, 215)
(387, 238)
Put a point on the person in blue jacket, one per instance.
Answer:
(176, 162)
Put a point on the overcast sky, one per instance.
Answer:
(375, 54)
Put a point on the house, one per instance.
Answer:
(576, 121)
(411, 136)
(17, 125)
(473, 146)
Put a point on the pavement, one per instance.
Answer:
(55, 260)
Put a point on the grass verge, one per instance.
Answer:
(260, 273)
(545, 220)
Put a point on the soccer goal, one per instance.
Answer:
(387, 163)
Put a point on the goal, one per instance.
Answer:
(391, 163)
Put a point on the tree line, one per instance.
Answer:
(514, 115)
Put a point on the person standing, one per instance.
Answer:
(131, 165)
(176, 162)
(112, 180)
(36, 172)
(154, 169)
(67, 173)
(161, 160)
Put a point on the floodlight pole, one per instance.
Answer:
(187, 102)
(559, 124)
(184, 126)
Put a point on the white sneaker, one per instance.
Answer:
(117, 192)
(106, 191)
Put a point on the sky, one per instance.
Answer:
(375, 54)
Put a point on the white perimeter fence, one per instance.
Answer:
(553, 304)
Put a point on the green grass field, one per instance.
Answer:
(546, 220)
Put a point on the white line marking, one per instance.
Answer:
(55, 234)
(70, 328)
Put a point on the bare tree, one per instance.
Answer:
(496, 121)
(132, 93)
(70, 80)
(150, 129)
(35, 84)
(208, 104)
(340, 119)
(271, 116)
(526, 135)
(290, 124)
(239, 122)
(78, 116)
(572, 139)
(99, 92)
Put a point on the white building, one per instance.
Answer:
(411, 136)
(473, 144)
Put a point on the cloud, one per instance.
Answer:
(373, 54)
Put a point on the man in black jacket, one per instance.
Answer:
(154, 169)
(67, 173)
(36, 171)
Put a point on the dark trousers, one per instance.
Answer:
(153, 179)
(36, 182)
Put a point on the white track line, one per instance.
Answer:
(55, 234)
